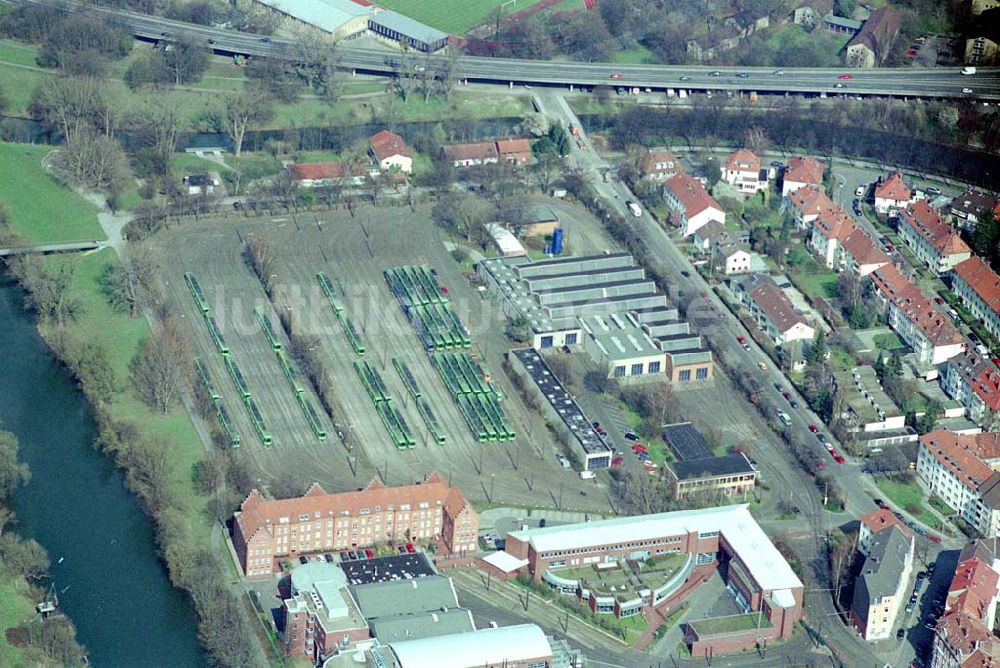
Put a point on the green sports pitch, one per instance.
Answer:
(455, 17)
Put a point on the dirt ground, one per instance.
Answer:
(353, 251)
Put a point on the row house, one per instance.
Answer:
(319, 174)
(808, 202)
(802, 171)
(969, 208)
(265, 530)
(963, 637)
(931, 238)
(892, 194)
(690, 203)
(975, 383)
(773, 310)
(912, 315)
(658, 164)
(978, 288)
(880, 589)
(742, 170)
(515, 152)
(962, 471)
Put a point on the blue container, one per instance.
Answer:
(557, 241)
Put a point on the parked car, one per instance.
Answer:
(369, 554)
(639, 447)
(631, 436)
(813, 428)
(402, 548)
(859, 191)
(742, 340)
(563, 462)
(303, 559)
(329, 558)
(900, 633)
(616, 462)
(352, 555)
(821, 438)
(410, 548)
(344, 557)
(787, 396)
(939, 300)
(881, 504)
(685, 273)
(794, 404)
(934, 538)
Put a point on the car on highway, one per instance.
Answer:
(616, 75)
(778, 73)
(265, 40)
(685, 78)
(845, 77)
(716, 73)
(839, 84)
(813, 428)
(743, 75)
(967, 91)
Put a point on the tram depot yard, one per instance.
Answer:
(427, 393)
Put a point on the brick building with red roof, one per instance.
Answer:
(963, 637)
(978, 288)
(314, 174)
(892, 194)
(266, 530)
(961, 471)
(802, 170)
(975, 383)
(690, 203)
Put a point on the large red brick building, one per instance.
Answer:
(264, 530)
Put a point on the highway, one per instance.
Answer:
(923, 83)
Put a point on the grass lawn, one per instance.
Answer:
(18, 85)
(823, 284)
(20, 53)
(905, 494)
(940, 506)
(15, 607)
(189, 163)
(634, 55)
(887, 341)
(121, 337)
(40, 208)
(456, 17)
(716, 625)
(841, 359)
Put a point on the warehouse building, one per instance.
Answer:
(604, 303)
(398, 28)
(340, 18)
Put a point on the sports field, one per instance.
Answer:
(455, 17)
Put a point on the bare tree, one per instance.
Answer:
(755, 140)
(465, 213)
(262, 258)
(129, 283)
(161, 367)
(241, 111)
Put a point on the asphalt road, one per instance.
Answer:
(945, 82)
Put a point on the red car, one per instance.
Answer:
(839, 458)
(787, 396)
(369, 554)
(934, 538)
(639, 447)
(443, 290)
(939, 301)
(845, 77)
(813, 428)
(820, 465)
(410, 548)
(616, 75)
(616, 462)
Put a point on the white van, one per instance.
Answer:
(587, 475)
(634, 209)
(785, 418)
(968, 70)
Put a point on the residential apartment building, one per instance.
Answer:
(964, 636)
(742, 171)
(881, 588)
(969, 208)
(892, 194)
(830, 229)
(390, 152)
(870, 47)
(658, 164)
(802, 171)
(690, 203)
(931, 238)
(927, 331)
(265, 530)
(725, 253)
(978, 288)
(962, 471)
(808, 202)
(859, 254)
(875, 522)
(773, 310)
(975, 383)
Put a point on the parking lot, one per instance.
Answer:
(353, 252)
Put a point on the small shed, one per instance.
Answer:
(505, 241)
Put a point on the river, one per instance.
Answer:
(104, 562)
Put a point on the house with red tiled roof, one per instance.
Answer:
(807, 203)
(870, 47)
(802, 171)
(875, 521)
(772, 309)
(929, 332)
(265, 531)
(892, 194)
(316, 174)
(963, 637)
(690, 204)
(471, 155)
(741, 170)
(829, 230)
(860, 255)
(978, 288)
(975, 383)
(514, 151)
(658, 164)
(390, 152)
(931, 238)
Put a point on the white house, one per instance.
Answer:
(892, 194)
(773, 310)
(390, 152)
(691, 203)
(829, 230)
(742, 170)
(726, 253)
(932, 239)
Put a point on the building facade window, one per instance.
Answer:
(571, 339)
(637, 369)
(620, 371)
(685, 376)
(654, 367)
(546, 342)
(702, 373)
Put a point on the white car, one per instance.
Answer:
(859, 191)
(967, 91)
(634, 209)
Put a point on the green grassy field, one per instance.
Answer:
(20, 53)
(905, 494)
(456, 17)
(121, 337)
(15, 607)
(40, 208)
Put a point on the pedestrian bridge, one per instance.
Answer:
(50, 248)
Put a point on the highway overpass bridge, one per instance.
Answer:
(882, 82)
